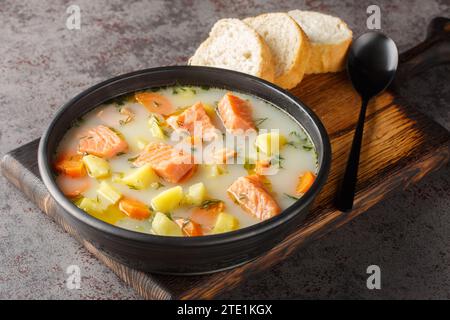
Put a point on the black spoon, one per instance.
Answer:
(371, 65)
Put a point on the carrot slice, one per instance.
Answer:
(305, 182)
(189, 228)
(154, 102)
(71, 166)
(134, 208)
(73, 187)
(206, 214)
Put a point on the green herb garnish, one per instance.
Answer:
(260, 121)
(210, 202)
(300, 141)
(78, 122)
(291, 197)
(157, 185)
(242, 196)
(133, 158)
(120, 100)
(277, 160)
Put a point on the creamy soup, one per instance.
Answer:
(185, 161)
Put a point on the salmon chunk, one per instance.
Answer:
(249, 192)
(224, 155)
(236, 114)
(103, 142)
(169, 163)
(192, 117)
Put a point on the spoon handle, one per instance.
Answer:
(346, 192)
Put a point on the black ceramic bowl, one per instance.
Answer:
(177, 255)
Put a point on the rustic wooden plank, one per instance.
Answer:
(20, 168)
(400, 147)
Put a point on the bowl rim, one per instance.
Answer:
(46, 171)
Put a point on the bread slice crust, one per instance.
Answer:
(289, 45)
(232, 44)
(326, 55)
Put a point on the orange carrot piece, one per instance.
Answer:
(134, 208)
(207, 215)
(155, 102)
(305, 182)
(189, 227)
(71, 166)
(73, 187)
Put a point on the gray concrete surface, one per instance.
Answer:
(43, 64)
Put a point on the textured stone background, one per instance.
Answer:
(43, 64)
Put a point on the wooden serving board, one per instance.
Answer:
(400, 147)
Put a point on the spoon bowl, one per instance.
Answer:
(371, 65)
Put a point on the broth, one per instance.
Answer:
(151, 118)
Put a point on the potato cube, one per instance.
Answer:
(108, 194)
(168, 200)
(196, 194)
(155, 128)
(225, 222)
(91, 206)
(96, 167)
(270, 143)
(140, 178)
(163, 226)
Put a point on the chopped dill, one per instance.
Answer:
(277, 160)
(133, 158)
(291, 197)
(157, 185)
(300, 141)
(260, 121)
(78, 122)
(180, 89)
(210, 202)
(120, 100)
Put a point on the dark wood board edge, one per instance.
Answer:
(26, 181)
(208, 288)
(21, 169)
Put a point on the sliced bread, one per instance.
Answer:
(330, 38)
(232, 44)
(288, 43)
